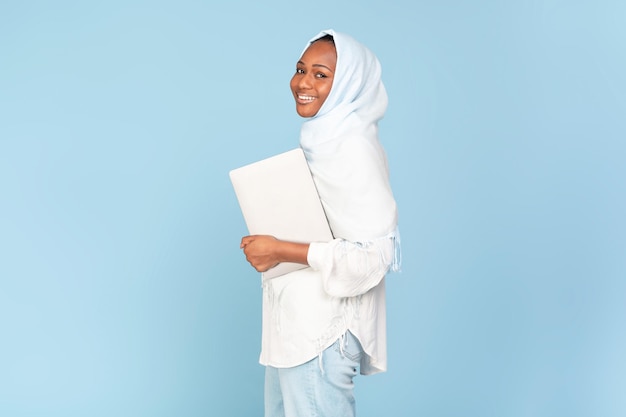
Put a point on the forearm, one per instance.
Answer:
(292, 252)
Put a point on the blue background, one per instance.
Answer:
(122, 288)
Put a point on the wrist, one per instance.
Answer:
(292, 252)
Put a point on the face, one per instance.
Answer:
(314, 76)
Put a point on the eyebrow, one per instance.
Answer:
(317, 65)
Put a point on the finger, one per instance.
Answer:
(245, 240)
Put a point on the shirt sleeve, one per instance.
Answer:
(352, 268)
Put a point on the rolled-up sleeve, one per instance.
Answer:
(351, 268)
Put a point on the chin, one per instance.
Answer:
(306, 112)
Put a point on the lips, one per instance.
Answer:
(304, 99)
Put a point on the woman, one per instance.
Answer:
(322, 323)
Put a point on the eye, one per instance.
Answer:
(320, 75)
(299, 71)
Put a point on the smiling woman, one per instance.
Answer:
(324, 323)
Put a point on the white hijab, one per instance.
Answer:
(341, 146)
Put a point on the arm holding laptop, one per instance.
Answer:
(348, 269)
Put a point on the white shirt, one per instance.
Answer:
(306, 311)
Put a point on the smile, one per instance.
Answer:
(305, 99)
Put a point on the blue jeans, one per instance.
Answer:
(321, 387)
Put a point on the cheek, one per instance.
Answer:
(324, 94)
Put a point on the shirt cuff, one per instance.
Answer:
(315, 256)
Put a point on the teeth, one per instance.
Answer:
(307, 98)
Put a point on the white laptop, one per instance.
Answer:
(278, 197)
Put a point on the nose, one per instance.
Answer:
(304, 82)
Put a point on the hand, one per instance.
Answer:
(261, 251)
